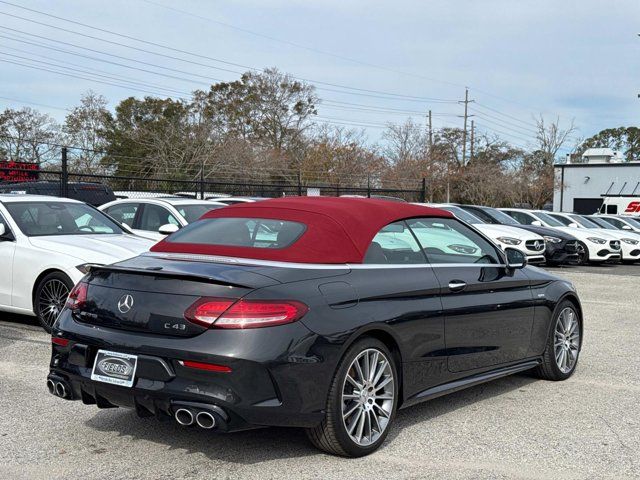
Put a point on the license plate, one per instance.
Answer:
(115, 368)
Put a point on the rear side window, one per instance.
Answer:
(240, 232)
(521, 217)
(394, 244)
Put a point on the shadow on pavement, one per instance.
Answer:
(266, 444)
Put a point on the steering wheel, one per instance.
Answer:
(87, 227)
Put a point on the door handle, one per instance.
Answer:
(457, 285)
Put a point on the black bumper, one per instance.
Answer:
(563, 252)
(270, 383)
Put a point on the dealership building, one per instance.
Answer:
(581, 186)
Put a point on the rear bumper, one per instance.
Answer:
(270, 383)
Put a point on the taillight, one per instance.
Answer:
(226, 313)
(77, 296)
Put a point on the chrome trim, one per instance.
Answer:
(308, 266)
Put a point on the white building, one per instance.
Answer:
(580, 187)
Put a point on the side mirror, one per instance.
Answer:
(626, 227)
(168, 229)
(515, 258)
(537, 223)
(573, 225)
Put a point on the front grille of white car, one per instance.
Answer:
(535, 245)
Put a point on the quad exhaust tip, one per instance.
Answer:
(205, 420)
(51, 386)
(184, 417)
(61, 390)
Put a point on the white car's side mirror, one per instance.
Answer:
(2, 230)
(168, 229)
(573, 225)
(626, 227)
(536, 223)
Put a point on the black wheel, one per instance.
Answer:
(362, 402)
(583, 254)
(49, 298)
(560, 357)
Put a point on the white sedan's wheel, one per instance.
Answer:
(50, 296)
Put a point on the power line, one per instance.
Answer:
(197, 55)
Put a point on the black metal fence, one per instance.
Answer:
(91, 187)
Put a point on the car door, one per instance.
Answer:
(7, 252)
(488, 309)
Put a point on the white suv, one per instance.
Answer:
(155, 218)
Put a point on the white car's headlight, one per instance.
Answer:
(599, 241)
(630, 241)
(85, 267)
(510, 240)
(552, 239)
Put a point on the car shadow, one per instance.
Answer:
(255, 446)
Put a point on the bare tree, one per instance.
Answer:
(551, 138)
(29, 136)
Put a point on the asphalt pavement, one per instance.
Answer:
(516, 427)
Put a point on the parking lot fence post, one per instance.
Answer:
(299, 184)
(423, 191)
(64, 174)
(368, 185)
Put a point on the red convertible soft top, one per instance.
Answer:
(338, 230)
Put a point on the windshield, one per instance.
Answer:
(602, 223)
(549, 220)
(194, 211)
(36, 219)
(634, 222)
(501, 217)
(584, 221)
(462, 214)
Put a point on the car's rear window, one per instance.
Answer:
(240, 232)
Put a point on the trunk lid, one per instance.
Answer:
(151, 295)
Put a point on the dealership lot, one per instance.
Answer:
(517, 427)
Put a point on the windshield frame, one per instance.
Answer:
(118, 229)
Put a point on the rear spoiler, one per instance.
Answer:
(161, 272)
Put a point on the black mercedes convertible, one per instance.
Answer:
(327, 314)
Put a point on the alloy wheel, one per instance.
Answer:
(368, 396)
(53, 296)
(567, 340)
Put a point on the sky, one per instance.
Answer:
(373, 62)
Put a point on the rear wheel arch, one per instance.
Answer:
(389, 341)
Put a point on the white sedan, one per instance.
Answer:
(155, 218)
(46, 247)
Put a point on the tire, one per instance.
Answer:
(49, 298)
(583, 259)
(553, 366)
(332, 435)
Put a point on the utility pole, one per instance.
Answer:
(430, 134)
(471, 144)
(466, 115)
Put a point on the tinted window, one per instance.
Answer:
(521, 217)
(125, 213)
(619, 224)
(154, 216)
(240, 232)
(394, 244)
(585, 222)
(601, 222)
(613, 209)
(551, 221)
(563, 220)
(501, 217)
(58, 218)
(193, 212)
(445, 240)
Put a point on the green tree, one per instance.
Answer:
(624, 139)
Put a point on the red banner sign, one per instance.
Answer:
(18, 171)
